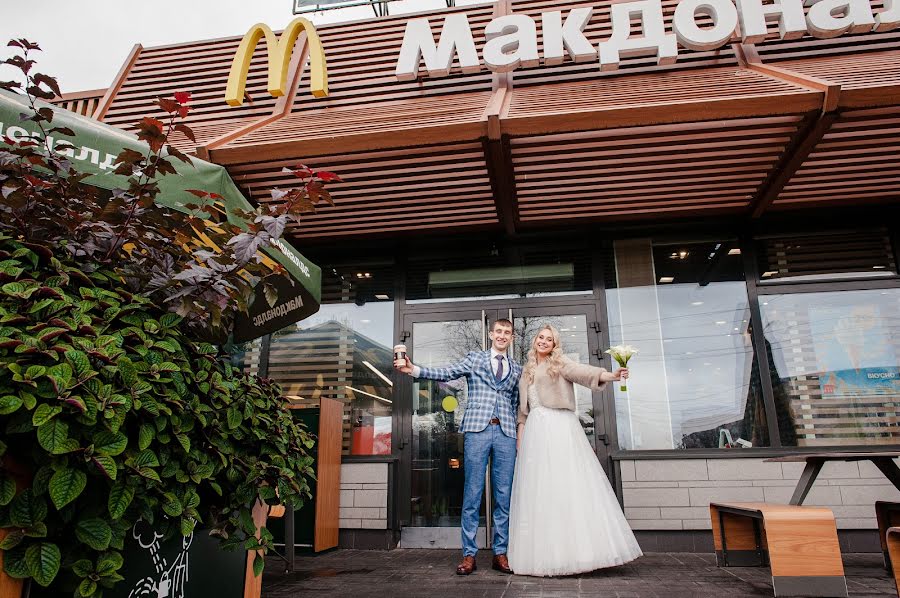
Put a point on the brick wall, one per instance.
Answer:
(675, 494)
(364, 496)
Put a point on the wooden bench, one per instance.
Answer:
(888, 515)
(892, 539)
(800, 544)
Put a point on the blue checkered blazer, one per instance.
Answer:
(483, 391)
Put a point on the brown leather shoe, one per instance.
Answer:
(501, 563)
(466, 566)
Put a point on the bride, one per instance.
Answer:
(564, 515)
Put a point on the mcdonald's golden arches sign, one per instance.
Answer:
(279, 50)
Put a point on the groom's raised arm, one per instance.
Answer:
(447, 373)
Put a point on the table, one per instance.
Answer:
(883, 460)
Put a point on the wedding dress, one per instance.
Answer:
(564, 516)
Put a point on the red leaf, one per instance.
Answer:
(49, 81)
(197, 193)
(151, 131)
(324, 175)
(182, 97)
(186, 131)
(168, 105)
(183, 111)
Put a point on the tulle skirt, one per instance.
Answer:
(564, 515)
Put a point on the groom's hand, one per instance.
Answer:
(403, 365)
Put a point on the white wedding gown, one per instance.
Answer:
(564, 516)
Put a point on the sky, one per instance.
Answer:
(85, 42)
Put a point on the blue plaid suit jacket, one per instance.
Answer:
(483, 391)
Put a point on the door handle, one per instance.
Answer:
(604, 438)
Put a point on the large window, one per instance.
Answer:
(694, 383)
(344, 352)
(834, 362)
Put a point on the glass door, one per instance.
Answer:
(431, 446)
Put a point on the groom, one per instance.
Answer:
(489, 424)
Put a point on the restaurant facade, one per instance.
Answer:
(725, 202)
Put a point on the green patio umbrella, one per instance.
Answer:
(96, 146)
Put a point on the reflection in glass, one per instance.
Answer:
(859, 254)
(573, 336)
(437, 412)
(245, 356)
(694, 383)
(835, 360)
(343, 352)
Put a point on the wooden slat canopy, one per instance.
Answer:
(741, 130)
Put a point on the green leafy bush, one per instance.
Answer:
(120, 416)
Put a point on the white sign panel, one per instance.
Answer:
(512, 40)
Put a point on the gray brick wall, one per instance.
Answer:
(364, 491)
(675, 494)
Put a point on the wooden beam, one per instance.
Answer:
(113, 90)
(498, 155)
(637, 115)
(810, 134)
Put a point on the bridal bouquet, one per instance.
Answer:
(622, 353)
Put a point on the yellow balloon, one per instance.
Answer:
(449, 404)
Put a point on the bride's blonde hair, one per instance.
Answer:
(555, 356)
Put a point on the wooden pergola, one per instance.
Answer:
(745, 130)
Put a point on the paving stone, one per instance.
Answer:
(420, 573)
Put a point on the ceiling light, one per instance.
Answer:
(879, 267)
(720, 322)
(735, 251)
(683, 254)
(696, 303)
(381, 296)
(664, 279)
(769, 273)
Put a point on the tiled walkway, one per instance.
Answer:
(430, 574)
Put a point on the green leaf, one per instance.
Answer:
(82, 568)
(96, 533)
(146, 458)
(109, 563)
(187, 526)
(171, 505)
(145, 436)
(61, 376)
(81, 365)
(110, 443)
(127, 371)
(12, 539)
(43, 414)
(149, 473)
(14, 563)
(54, 437)
(43, 562)
(234, 417)
(120, 497)
(7, 489)
(27, 509)
(38, 530)
(259, 562)
(9, 404)
(66, 485)
(87, 587)
(106, 465)
(184, 441)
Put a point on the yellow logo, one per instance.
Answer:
(279, 50)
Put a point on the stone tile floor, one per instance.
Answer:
(430, 573)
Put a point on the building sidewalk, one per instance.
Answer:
(430, 573)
